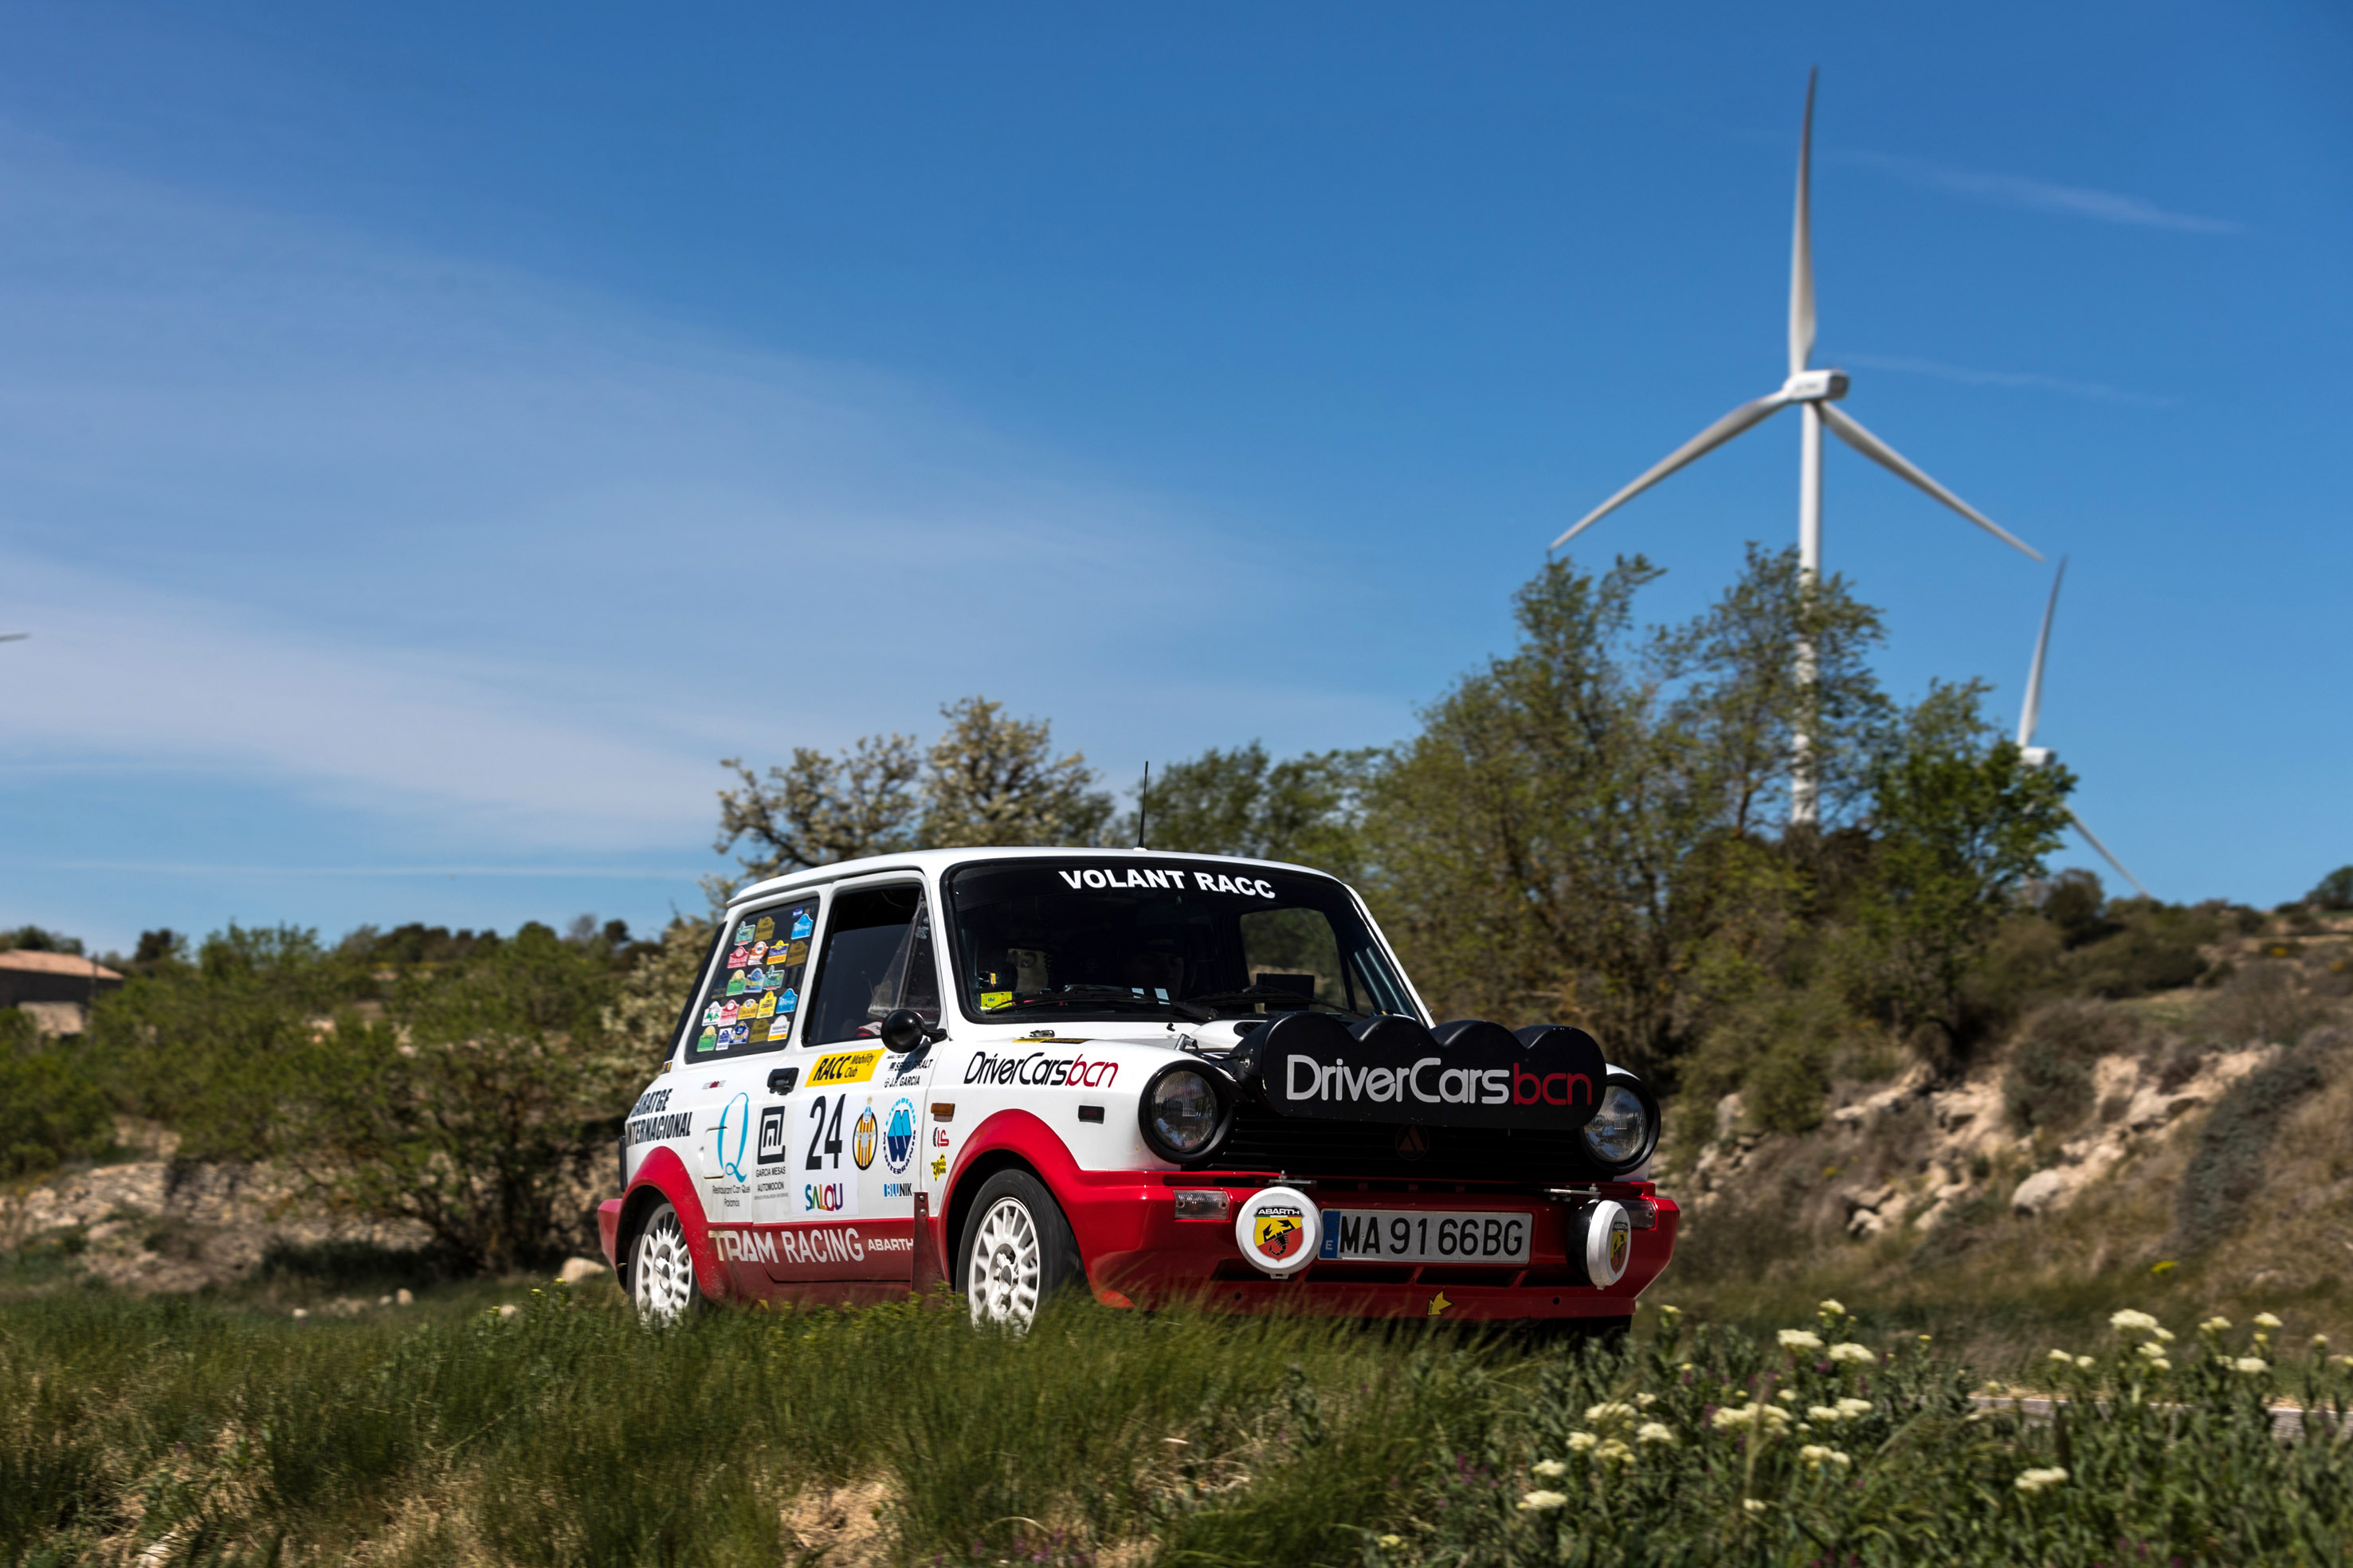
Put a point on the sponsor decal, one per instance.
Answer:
(844, 1067)
(796, 955)
(1139, 877)
(802, 925)
(939, 1167)
(899, 1136)
(727, 1138)
(766, 928)
(652, 1121)
(707, 1041)
(755, 978)
(1438, 1305)
(735, 1034)
(789, 1001)
(898, 1189)
(833, 1199)
(711, 1014)
(1040, 1070)
(772, 1134)
(746, 932)
(939, 1137)
(729, 1011)
(806, 1244)
(1412, 1143)
(1620, 1233)
(992, 1000)
(759, 950)
(739, 958)
(1278, 1232)
(862, 1138)
(735, 984)
(1393, 1069)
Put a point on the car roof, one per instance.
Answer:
(934, 861)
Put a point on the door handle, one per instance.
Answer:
(781, 1080)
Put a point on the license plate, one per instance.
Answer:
(1420, 1235)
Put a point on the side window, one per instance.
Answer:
(878, 957)
(755, 993)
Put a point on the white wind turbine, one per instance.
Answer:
(2030, 714)
(1816, 393)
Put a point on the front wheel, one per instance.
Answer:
(661, 1274)
(1018, 1251)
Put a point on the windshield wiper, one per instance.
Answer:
(1118, 994)
(1270, 993)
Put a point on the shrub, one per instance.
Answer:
(2049, 1084)
(2156, 949)
(2266, 1005)
(50, 1108)
(2227, 1168)
(2334, 892)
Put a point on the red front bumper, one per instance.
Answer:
(1137, 1252)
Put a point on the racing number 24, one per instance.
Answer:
(824, 1138)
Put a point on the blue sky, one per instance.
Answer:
(430, 439)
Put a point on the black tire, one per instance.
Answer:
(662, 1283)
(1016, 1237)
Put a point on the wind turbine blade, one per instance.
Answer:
(2090, 838)
(1801, 246)
(1895, 463)
(14, 637)
(2032, 713)
(1698, 446)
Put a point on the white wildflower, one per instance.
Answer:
(1826, 1413)
(1613, 1452)
(2086, 1362)
(2251, 1364)
(2344, 1360)
(2266, 1320)
(1766, 1419)
(1817, 1455)
(2149, 1349)
(2165, 1336)
(2129, 1322)
(1582, 1442)
(2035, 1480)
(1647, 1400)
(1831, 1309)
(1853, 1409)
(2320, 1341)
(1654, 1432)
(1542, 1502)
(1550, 1470)
(1391, 1542)
(1852, 1355)
(2214, 1325)
(1755, 1505)
(1800, 1340)
(2064, 1359)
(1614, 1410)
(1786, 1395)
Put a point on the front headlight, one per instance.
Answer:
(1184, 1111)
(1623, 1129)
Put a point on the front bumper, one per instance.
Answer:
(1138, 1253)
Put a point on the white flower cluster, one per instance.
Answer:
(1817, 1457)
(1831, 1309)
(2218, 1325)
(2154, 1353)
(2129, 1322)
(1603, 1414)
(2036, 1481)
(1852, 1355)
(2266, 1321)
(1550, 1470)
(1768, 1420)
(1654, 1432)
(1800, 1340)
(1542, 1502)
(1844, 1410)
(2251, 1364)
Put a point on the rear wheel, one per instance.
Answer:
(1017, 1250)
(661, 1274)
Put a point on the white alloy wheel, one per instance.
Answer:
(662, 1279)
(1008, 1266)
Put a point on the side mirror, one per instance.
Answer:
(905, 1030)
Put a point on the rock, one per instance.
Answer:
(2043, 1189)
(404, 1298)
(576, 1270)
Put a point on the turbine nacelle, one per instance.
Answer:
(2036, 756)
(1814, 386)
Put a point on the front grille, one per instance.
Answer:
(1263, 1141)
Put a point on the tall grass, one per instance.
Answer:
(161, 1432)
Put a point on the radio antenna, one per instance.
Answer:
(1143, 806)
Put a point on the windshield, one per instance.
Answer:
(1043, 939)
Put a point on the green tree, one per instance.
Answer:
(2334, 892)
(206, 1047)
(52, 1110)
(642, 1020)
(820, 809)
(1961, 821)
(480, 1108)
(1582, 830)
(1308, 810)
(995, 780)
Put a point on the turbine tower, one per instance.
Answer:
(1816, 394)
(2030, 714)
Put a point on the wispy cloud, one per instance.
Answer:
(2040, 195)
(2092, 391)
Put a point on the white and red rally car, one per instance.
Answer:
(1162, 1076)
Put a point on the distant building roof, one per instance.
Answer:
(54, 963)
